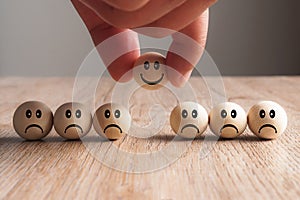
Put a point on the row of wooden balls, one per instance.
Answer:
(33, 120)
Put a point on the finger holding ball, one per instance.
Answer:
(33, 120)
(227, 120)
(267, 119)
(72, 120)
(189, 119)
(149, 71)
(112, 121)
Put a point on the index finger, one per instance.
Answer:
(125, 45)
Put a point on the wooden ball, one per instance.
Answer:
(267, 119)
(227, 120)
(189, 119)
(149, 71)
(33, 120)
(72, 120)
(112, 121)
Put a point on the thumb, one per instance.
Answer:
(186, 50)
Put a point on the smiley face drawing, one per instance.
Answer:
(149, 71)
(112, 121)
(227, 120)
(33, 120)
(72, 120)
(267, 119)
(189, 119)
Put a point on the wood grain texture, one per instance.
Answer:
(243, 168)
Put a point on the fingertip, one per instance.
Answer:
(128, 6)
(186, 50)
(177, 79)
(118, 50)
(121, 68)
(179, 70)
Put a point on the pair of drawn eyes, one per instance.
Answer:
(107, 113)
(38, 113)
(224, 114)
(147, 65)
(262, 113)
(69, 113)
(184, 113)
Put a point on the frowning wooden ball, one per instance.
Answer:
(189, 119)
(112, 121)
(227, 120)
(33, 120)
(72, 120)
(149, 71)
(267, 119)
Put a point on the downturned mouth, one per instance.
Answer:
(73, 126)
(267, 125)
(229, 125)
(152, 82)
(111, 126)
(190, 125)
(34, 125)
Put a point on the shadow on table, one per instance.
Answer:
(243, 138)
(161, 137)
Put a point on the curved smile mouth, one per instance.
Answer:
(111, 126)
(152, 82)
(267, 125)
(229, 125)
(190, 125)
(73, 126)
(34, 125)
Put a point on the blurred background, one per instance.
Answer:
(47, 37)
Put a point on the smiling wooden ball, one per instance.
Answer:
(227, 120)
(33, 120)
(112, 121)
(72, 120)
(189, 119)
(267, 119)
(149, 71)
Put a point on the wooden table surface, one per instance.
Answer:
(242, 168)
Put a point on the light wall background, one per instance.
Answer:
(246, 37)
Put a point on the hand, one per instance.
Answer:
(105, 18)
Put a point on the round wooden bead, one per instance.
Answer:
(149, 71)
(189, 119)
(227, 120)
(267, 119)
(72, 120)
(33, 120)
(112, 121)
